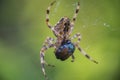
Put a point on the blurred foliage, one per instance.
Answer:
(23, 31)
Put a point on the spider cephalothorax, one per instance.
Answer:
(63, 26)
(64, 47)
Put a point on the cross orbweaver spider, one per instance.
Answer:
(64, 48)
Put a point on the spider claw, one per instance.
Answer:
(53, 2)
(95, 61)
(72, 60)
(51, 65)
(46, 78)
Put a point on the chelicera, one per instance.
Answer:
(63, 45)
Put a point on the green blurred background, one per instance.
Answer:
(23, 31)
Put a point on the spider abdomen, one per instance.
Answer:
(65, 50)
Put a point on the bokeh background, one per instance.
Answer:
(23, 31)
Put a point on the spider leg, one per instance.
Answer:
(76, 12)
(48, 44)
(47, 15)
(77, 36)
(74, 17)
(47, 20)
(73, 58)
(85, 54)
(80, 49)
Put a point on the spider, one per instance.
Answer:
(64, 47)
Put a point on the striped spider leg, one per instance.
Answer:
(47, 15)
(80, 49)
(47, 44)
(47, 20)
(74, 18)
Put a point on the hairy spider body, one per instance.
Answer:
(63, 45)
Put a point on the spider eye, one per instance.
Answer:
(67, 23)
